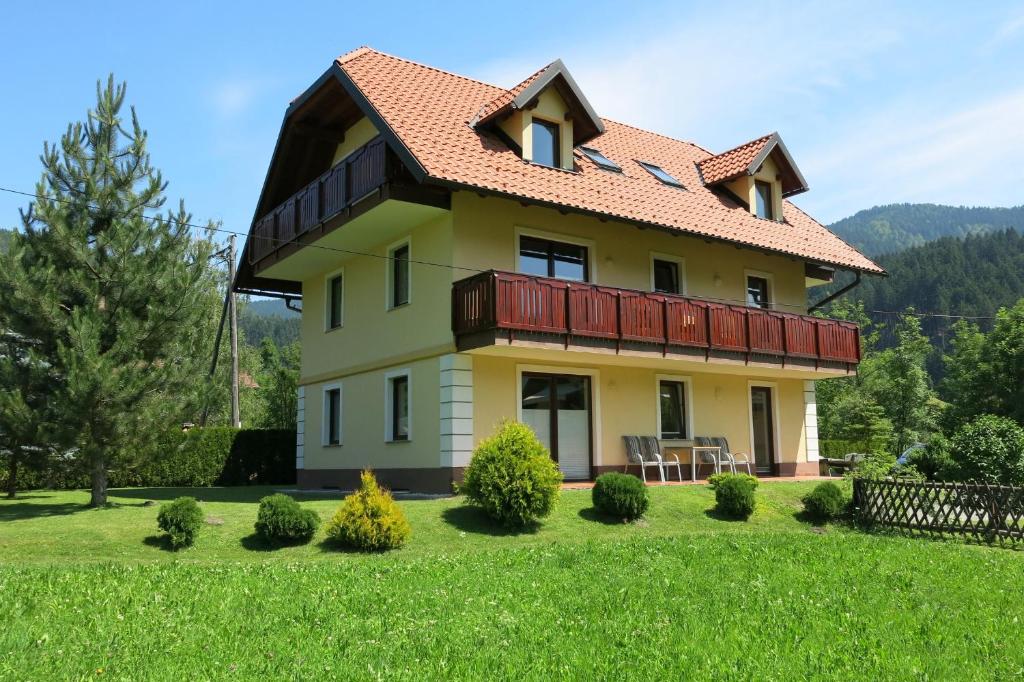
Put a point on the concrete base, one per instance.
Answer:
(435, 480)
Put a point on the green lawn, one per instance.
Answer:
(680, 595)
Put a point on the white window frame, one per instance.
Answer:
(389, 436)
(687, 383)
(588, 244)
(340, 272)
(325, 415)
(680, 264)
(389, 274)
(767, 276)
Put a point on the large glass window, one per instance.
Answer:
(399, 408)
(765, 206)
(332, 416)
(334, 298)
(672, 398)
(758, 294)
(666, 277)
(399, 264)
(546, 144)
(547, 258)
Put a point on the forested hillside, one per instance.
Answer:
(972, 277)
(892, 228)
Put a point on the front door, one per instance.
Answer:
(763, 428)
(557, 408)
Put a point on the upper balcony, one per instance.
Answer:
(502, 307)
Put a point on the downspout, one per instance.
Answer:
(834, 296)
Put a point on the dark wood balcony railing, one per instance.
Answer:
(493, 301)
(362, 172)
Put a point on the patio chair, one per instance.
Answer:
(652, 448)
(735, 459)
(636, 455)
(705, 451)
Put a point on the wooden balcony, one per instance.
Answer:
(326, 197)
(502, 305)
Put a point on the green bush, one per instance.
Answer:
(933, 460)
(281, 519)
(989, 449)
(879, 465)
(369, 519)
(512, 477)
(620, 495)
(826, 502)
(734, 494)
(181, 520)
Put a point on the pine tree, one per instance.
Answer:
(115, 302)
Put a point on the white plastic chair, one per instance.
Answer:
(636, 455)
(650, 446)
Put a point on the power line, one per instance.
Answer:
(351, 252)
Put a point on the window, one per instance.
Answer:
(546, 143)
(335, 291)
(765, 206)
(666, 277)
(398, 282)
(397, 406)
(672, 410)
(758, 293)
(660, 173)
(332, 415)
(547, 258)
(600, 159)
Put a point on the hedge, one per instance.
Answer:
(196, 458)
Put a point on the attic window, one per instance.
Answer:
(546, 144)
(600, 160)
(660, 173)
(765, 207)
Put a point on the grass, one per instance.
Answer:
(682, 594)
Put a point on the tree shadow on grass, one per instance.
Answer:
(20, 511)
(243, 494)
(254, 542)
(470, 519)
(162, 542)
(595, 514)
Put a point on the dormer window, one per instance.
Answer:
(765, 202)
(547, 144)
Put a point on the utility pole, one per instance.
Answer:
(236, 419)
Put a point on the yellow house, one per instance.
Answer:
(466, 254)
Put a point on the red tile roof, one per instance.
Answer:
(505, 98)
(733, 163)
(429, 111)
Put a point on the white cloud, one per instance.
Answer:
(231, 98)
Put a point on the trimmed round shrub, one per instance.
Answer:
(620, 495)
(734, 494)
(280, 519)
(826, 502)
(989, 449)
(512, 477)
(369, 519)
(933, 460)
(181, 519)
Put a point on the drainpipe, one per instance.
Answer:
(834, 296)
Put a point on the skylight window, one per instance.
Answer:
(600, 159)
(660, 173)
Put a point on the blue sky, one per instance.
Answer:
(878, 103)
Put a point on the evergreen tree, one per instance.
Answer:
(117, 304)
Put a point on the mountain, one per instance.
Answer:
(892, 228)
(268, 318)
(270, 307)
(973, 276)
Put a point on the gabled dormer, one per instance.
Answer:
(543, 118)
(759, 174)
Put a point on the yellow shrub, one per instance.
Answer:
(369, 519)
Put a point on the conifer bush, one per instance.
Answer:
(734, 494)
(181, 519)
(369, 519)
(826, 502)
(280, 519)
(512, 477)
(620, 495)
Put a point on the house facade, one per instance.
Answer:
(466, 254)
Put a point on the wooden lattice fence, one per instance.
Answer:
(984, 512)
